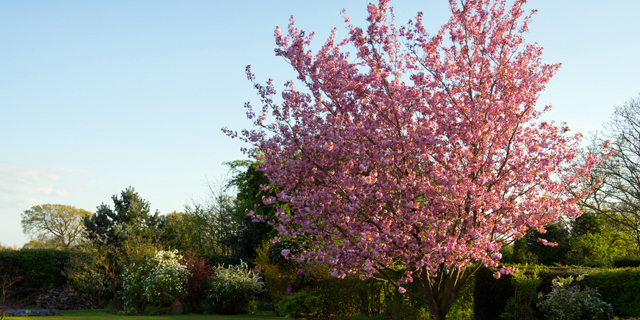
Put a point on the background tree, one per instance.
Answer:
(420, 163)
(207, 226)
(251, 185)
(618, 196)
(115, 236)
(60, 224)
(130, 216)
(530, 250)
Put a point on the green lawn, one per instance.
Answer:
(99, 314)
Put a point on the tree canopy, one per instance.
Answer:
(58, 223)
(419, 160)
(129, 216)
(618, 196)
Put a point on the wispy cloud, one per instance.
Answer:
(21, 180)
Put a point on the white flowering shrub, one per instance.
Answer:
(568, 301)
(167, 279)
(233, 289)
(159, 279)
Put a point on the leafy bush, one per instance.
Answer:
(277, 279)
(201, 274)
(167, 279)
(153, 278)
(86, 272)
(519, 306)
(232, 289)
(593, 250)
(572, 302)
(306, 303)
(136, 266)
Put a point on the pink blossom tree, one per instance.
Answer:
(423, 155)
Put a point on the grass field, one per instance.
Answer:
(99, 314)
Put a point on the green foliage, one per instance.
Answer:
(593, 250)
(519, 306)
(624, 262)
(130, 216)
(206, 226)
(404, 307)
(306, 303)
(573, 302)
(556, 232)
(198, 282)
(490, 294)
(167, 279)
(135, 261)
(620, 287)
(86, 272)
(151, 276)
(60, 224)
(38, 267)
(233, 288)
(215, 260)
(247, 180)
(462, 308)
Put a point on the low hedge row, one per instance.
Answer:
(619, 287)
(38, 267)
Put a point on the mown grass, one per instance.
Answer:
(99, 314)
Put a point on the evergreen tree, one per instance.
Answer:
(130, 215)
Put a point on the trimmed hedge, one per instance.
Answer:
(626, 262)
(619, 287)
(39, 267)
(490, 295)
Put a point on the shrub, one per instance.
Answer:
(232, 289)
(136, 266)
(201, 274)
(306, 303)
(86, 272)
(519, 306)
(277, 279)
(153, 277)
(167, 279)
(572, 302)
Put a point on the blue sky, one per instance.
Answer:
(96, 96)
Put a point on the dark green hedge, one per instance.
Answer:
(490, 295)
(39, 267)
(619, 287)
(626, 262)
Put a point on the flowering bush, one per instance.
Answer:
(167, 279)
(569, 302)
(232, 289)
(158, 279)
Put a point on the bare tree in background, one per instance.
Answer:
(207, 223)
(618, 196)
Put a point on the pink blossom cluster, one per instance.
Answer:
(424, 151)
